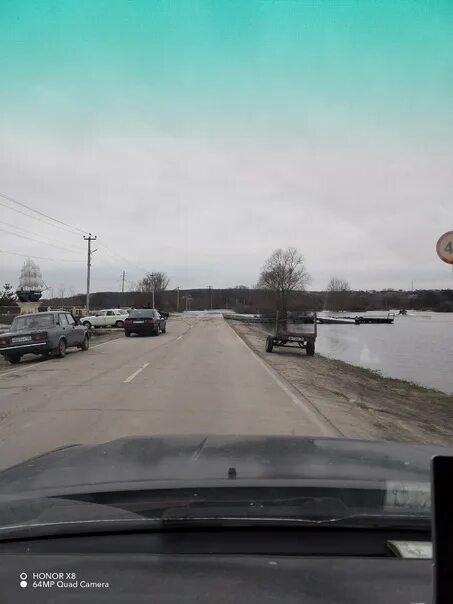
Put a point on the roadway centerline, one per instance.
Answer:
(134, 375)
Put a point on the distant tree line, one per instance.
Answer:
(281, 285)
(257, 300)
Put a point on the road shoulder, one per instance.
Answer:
(359, 403)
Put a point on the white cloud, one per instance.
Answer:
(209, 211)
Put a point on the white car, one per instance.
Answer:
(112, 317)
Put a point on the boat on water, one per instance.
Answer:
(374, 320)
(335, 320)
(359, 320)
(31, 284)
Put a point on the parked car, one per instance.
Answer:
(42, 333)
(145, 321)
(111, 317)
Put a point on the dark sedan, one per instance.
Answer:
(42, 333)
(145, 321)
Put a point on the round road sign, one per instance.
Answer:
(444, 247)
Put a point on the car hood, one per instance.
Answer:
(175, 461)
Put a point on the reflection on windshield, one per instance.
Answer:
(321, 505)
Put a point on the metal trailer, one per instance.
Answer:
(295, 330)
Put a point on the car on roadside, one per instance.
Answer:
(110, 317)
(145, 321)
(44, 333)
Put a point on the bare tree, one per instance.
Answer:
(284, 273)
(155, 281)
(336, 284)
(72, 293)
(337, 293)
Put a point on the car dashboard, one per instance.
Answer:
(310, 566)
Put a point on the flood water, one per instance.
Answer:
(417, 348)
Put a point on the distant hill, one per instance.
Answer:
(256, 300)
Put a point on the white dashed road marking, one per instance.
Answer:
(134, 375)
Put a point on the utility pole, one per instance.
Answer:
(89, 239)
(210, 296)
(122, 284)
(177, 299)
(154, 287)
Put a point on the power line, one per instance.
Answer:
(36, 240)
(108, 254)
(100, 242)
(38, 257)
(44, 218)
(36, 234)
(24, 205)
(35, 218)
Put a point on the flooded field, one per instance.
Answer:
(416, 347)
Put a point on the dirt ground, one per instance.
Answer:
(357, 402)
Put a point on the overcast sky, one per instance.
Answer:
(196, 137)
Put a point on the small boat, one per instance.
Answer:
(374, 320)
(356, 320)
(335, 320)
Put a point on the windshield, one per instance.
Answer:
(37, 321)
(274, 177)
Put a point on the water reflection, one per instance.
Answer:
(367, 357)
(415, 347)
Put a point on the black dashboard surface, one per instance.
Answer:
(132, 578)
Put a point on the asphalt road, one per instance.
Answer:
(199, 377)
